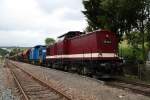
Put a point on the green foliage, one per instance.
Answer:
(15, 51)
(118, 16)
(130, 52)
(148, 34)
(134, 39)
(121, 16)
(49, 41)
(3, 52)
(92, 12)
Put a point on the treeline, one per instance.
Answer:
(15, 51)
(3, 52)
(129, 19)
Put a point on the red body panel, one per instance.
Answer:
(97, 43)
(107, 47)
(83, 44)
(60, 48)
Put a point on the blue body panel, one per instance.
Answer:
(38, 53)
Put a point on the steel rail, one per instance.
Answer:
(138, 83)
(133, 87)
(44, 83)
(19, 85)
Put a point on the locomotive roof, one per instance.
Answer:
(70, 34)
(89, 33)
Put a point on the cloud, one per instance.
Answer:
(49, 6)
(29, 22)
(22, 38)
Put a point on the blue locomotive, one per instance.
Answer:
(37, 54)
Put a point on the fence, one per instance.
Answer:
(137, 71)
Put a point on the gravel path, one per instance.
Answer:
(80, 87)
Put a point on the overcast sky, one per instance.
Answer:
(29, 22)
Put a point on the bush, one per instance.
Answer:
(130, 54)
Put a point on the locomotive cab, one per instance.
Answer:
(107, 44)
(38, 55)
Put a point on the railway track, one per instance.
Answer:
(135, 87)
(31, 88)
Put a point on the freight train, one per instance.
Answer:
(93, 53)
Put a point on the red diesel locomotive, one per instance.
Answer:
(94, 53)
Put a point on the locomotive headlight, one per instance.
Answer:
(115, 55)
(44, 51)
(103, 64)
(107, 40)
(107, 36)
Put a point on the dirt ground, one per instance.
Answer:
(81, 87)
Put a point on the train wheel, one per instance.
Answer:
(84, 71)
(79, 70)
(65, 68)
(54, 66)
(49, 65)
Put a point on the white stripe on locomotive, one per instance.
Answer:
(86, 55)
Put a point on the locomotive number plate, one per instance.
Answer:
(107, 42)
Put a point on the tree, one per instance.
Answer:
(3, 52)
(148, 34)
(141, 26)
(143, 22)
(114, 15)
(119, 16)
(134, 39)
(49, 41)
(93, 10)
(15, 51)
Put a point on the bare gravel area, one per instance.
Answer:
(80, 87)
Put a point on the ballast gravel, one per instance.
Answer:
(80, 87)
(5, 90)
